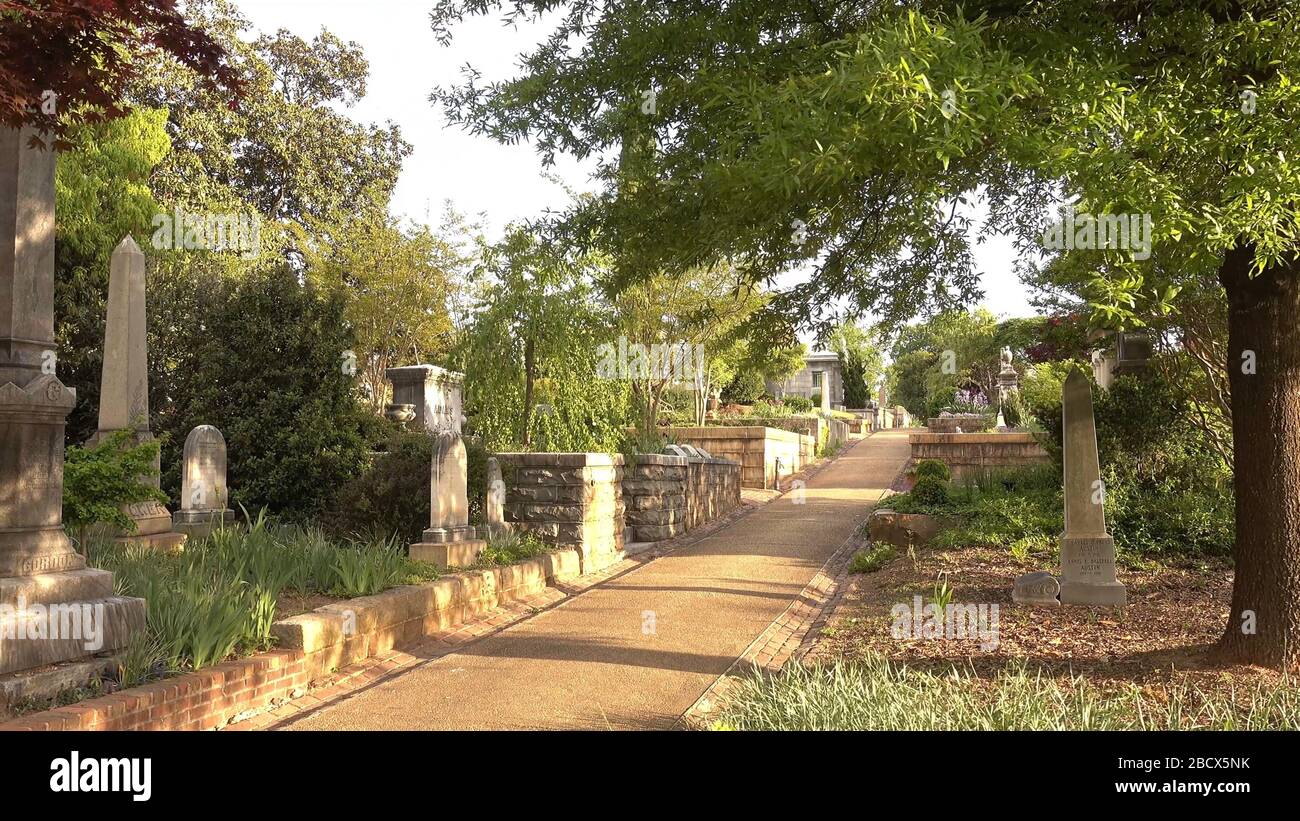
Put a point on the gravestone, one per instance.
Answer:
(1087, 550)
(38, 565)
(494, 501)
(124, 389)
(435, 393)
(204, 495)
(449, 541)
(1039, 587)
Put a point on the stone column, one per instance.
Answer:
(449, 541)
(435, 393)
(204, 494)
(38, 565)
(1087, 550)
(124, 388)
(570, 500)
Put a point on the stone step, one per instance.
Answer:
(48, 588)
(49, 634)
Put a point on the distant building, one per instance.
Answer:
(820, 368)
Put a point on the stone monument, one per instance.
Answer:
(494, 500)
(449, 541)
(124, 388)
(1087, 550)
(38, 566)
(1008, 380)
(435, 394)
(204, 495)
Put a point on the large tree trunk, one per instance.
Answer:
(1264, 318)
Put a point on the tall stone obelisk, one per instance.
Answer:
(1087, 550)
(124, 387)
(38, 565)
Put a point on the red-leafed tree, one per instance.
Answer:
(64, 62)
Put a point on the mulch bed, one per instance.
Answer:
(1166, 631)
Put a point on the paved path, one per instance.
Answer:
(588, 663)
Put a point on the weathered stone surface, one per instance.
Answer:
(1087, 550)
(970, 453)
(204, 495)
(435, 393)
(38, 567)
(1039, 587)
(449, 554)
(124, 388)
(903, 529)
(448, 492)
(27, 637)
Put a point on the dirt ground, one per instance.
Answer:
(1166, 632)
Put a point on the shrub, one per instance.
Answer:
(265, 359)
(933, 468)
(98, 481)
(798, 404)
(745, 386)
(390, 496)
(930, 491)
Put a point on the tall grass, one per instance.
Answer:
(876, 694)
(219, 596)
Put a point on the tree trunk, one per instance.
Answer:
(1264, 321)
(529, 376)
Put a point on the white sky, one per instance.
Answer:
(478, 175)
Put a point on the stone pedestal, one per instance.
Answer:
(449, 540)
(52, 608)
(1088, 571)
(434, 393)
(448, 554)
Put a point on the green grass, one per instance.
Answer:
(871, 560)
(876, 694)
(218, 598)
(511, 547)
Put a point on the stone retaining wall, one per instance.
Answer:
(569, 500)
(765, 454)
(669, 495)
(968, 453)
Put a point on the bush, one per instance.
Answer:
(930, 491)
(265, 360)
(1167, 492)
(744, 387)
(99, 480)
(933, 468)
(390, 496)
(798, 404)
(219, 597)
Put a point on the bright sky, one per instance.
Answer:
(480, 176)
